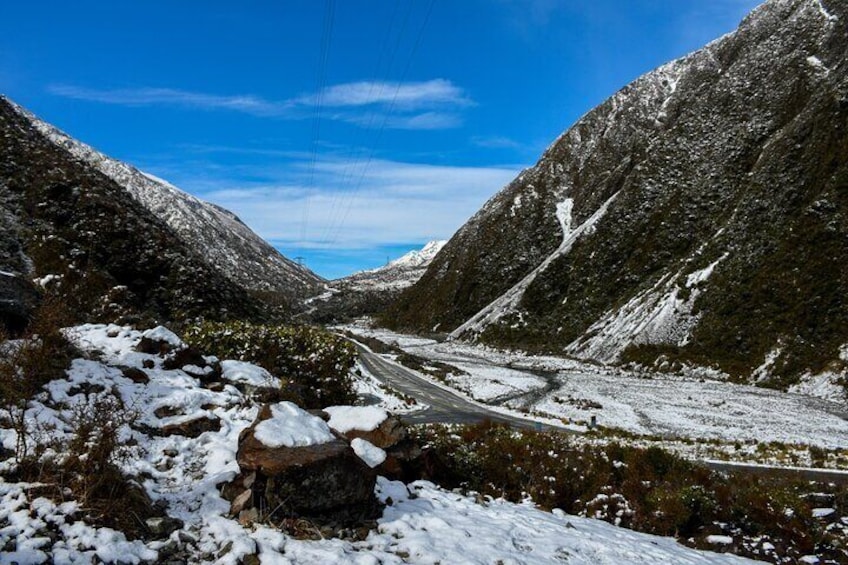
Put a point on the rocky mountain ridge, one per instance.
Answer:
(213, 232)
(72, 227)
(698, 216)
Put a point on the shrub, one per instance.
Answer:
(27, 364)
(316, 362)
(649, 490)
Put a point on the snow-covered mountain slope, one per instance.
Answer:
(82, 237)
(211, 231)
(369, 292)
(398, 274)
(698, 215)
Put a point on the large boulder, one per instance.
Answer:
(301, 468)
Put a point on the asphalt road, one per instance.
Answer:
(447, 407)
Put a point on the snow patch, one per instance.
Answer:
(368, 452)
(247, 373)
(508, 302)
(163, 334)
(291, 426)
(344, 419)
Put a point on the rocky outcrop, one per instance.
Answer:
(697, 216)
(314, 475)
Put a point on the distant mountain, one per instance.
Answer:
(397, 275)
(116, 242)
(368, 292)
(698, 216)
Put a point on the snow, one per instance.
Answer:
(719, 540)
(247, 373)
(291, 426)
(368, 452)
(637, 402)
(422, 523)
(163, 334)
(508, 302)
(396, 275)
(344, 419)
(826, 385)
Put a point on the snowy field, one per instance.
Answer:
(421, 524)
(644, 404)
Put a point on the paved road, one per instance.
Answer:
(448, 407)
(445, 407)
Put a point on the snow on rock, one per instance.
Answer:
(246, 373)
(368, 452)
(292, 426)
(396, 275)
(719, 540)
(655, 316)
(163, 335)
(344, 419)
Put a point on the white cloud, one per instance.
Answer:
(495, 142)
(407, 95)
(171, 97)
(432, 104)
(391, 202)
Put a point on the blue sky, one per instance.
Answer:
(342, 131)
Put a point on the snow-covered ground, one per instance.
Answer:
(652, 404)
(422, 523)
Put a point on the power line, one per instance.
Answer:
(379, 135)
(320, 87)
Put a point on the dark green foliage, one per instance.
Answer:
(648, 490)
(315, 362)
(116, 260)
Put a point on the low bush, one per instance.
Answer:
(648, 490)
(315, 362)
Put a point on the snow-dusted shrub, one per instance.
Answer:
(315, 362)
(27, 364)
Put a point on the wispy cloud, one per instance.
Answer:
(355, 208)
(406, 95)
(433, 104)
(247, 104)
(495, 142)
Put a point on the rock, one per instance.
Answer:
(18, 298)
(188, 356)
(148, 364)
(241, 502)
(163, 526)
(388, 434)
(320, 481)
(136, 375)
(192, 428)
(247, 517)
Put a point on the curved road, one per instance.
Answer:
(447, 407)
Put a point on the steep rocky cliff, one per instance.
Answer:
(698, 215)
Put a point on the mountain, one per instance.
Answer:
(112, 241)
(396, 275)
(211, 231)
(698, 216)
(368, 292)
